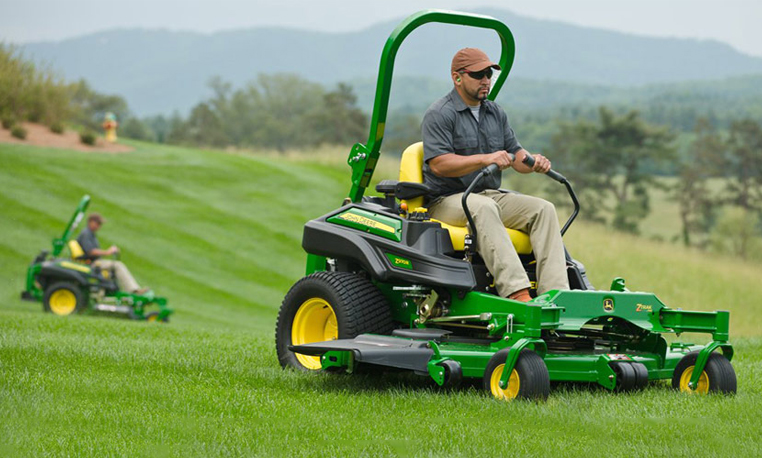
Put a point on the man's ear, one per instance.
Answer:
(456, 78)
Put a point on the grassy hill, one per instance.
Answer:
(219, 234)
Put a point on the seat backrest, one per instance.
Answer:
(411, 169)
(77, 253)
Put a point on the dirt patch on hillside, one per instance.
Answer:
(39, 135)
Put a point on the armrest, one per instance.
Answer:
(402, 189)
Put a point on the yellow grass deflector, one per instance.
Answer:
(411, 169)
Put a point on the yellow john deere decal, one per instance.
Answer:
(644, 308)
(608, 305)
(366, 222)
(73, 266)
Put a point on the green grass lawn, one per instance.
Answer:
(219, 234)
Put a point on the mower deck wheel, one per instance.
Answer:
(641, 375)
(626, 378)
(63, 298)
(718, 375)
(327, 306)
(154, 317)
(529, 378)
(453, 374)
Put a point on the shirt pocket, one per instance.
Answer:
(495, 144)
(464, 143)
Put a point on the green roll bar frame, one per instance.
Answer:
(76, 218)
(363, 158)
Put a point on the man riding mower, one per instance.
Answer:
(84, 283)
(390, 286)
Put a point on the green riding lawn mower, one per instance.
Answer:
(388, 287)
(71, 284)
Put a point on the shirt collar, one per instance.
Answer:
(457, 101)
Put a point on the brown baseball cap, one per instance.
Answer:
(472, 59)
(96, 217)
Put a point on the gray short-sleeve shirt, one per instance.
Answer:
(88, 241)
(449, 127)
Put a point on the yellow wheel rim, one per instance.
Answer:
(63, 302)
(315, 321)
(152, 318)
(511, 391)
(703, 384)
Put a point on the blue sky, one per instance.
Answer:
(735, 22)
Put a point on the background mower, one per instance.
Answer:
(389, 287)
(68, 285)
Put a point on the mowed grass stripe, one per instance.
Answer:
(194, 225)
(224, 395)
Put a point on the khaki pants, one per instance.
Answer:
(493, 211)
(124, 278)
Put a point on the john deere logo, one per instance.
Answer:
(608, 305)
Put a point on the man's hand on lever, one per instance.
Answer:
(501, 158)
(541, 163)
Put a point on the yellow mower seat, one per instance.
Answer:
(411, 169)
(76, 251)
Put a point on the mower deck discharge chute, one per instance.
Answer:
(67, 285)
(388, 286)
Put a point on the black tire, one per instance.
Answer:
(720, 375)
(64, 298)
(357, 304)
(641, 375)
(625, 376)
(453, 374)
(534, 380)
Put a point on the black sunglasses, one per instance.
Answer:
(479, 75)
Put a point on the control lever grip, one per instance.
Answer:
(529, 160)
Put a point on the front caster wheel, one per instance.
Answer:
(529, 378)
(718, 375)
(453, 374)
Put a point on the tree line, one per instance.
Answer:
(718, 186)
(34, 93)
(280, 112)
(612, 155)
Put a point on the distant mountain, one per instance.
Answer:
(159, 71)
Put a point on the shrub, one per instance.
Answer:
(8, 121)
(87, 137)
(57, 127)
(34, 116)
(18, 132)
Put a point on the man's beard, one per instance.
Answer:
(477, 94)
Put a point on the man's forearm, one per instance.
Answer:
(98, 252)
(518, 165)
(454, 165)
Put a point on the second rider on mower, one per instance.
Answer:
(93, 252)
(463, 132)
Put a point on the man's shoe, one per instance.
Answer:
(141, 291)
